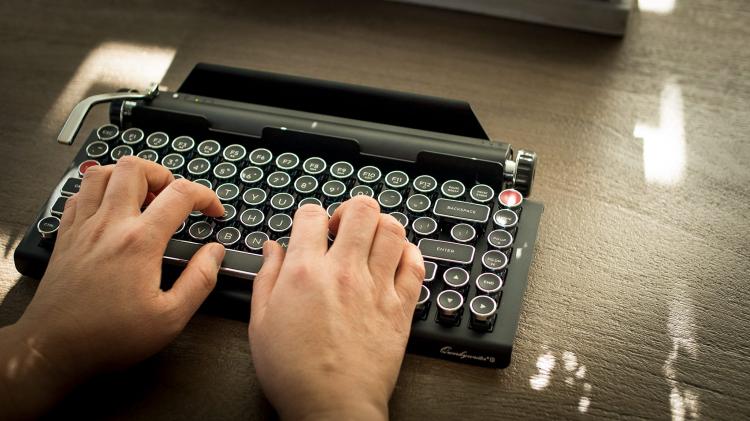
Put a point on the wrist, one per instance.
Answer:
(340, 411)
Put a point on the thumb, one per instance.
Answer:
(273, 257)
(198, 279)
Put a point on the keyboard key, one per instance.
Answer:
(334, 189)
(482, 193)
(368, 175)
(85, 165)
(488, 283)
(282, 201)
(446, 251)
(59, 206)
(280, 223)
(71, 186)
(342, 169)
(424, 226)
(456, 278)
(228, 236)
(200, 230)
(198, 166)
(332, 208)
(229, 213)
(234, 153)
(107, 132)
(396, 180)
(260, 157)
(227, 192)
(430, 268)
(453, 189)
(505, 218)
(48, 226)
(401, 218)
(173, 161)
(463, 233)
(251, 175)
(132, 136)
(420, 309)
(255, 240)
(361, 190)
(183, 144)
(314, 165)
(283, 242)
(305, 184)
(424, 184)
(120, 151)
(449, 304)
(157, 140)
(204, 182)
(278, 180)
(389, 199)
(500, 239)
(236, 263)
(309, 200)
(225, 170)
(148, 155)
(96, 149)
(418, 203)
(462, 211)
(287, 161)
(208, 148)
(180, 228)
(482, 309)
(252, 217)
(494, 260)
(254, 197)
(510, 198)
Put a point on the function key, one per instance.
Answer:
(389, 199)
(71, 186)
(260, 157)
(361, 190)
(200, 230)
(368, 174)
(481, 193)
(449, 303)
(132, 136)
(225, 170)
(505, 218)
(107, 132)
(396, 179)
(204, 182)
(453, 189)
(157, 140)
(173, 161)
(334, 189)
(342, 169)
(282, 201)
(96, 149)
(482, 309)
(488, 284)
(424, 226)
(463, 233)
(494, 260)
(287, 161)
(229, 213)
(85, 165)
(424, 184)
(332, 208)
(233, 153)
(228, 236)
(251, 175)
(421, 308)
(401, 218)
(278, 180)
(255, 240)
(120, 151)
(148, 155)
(500, 239)
(456, 278)
(254, 197)
(252, 217)
(305, 184)
(280, 223)
(418, 203)
(309, 200)
(198, 166)
(510, 198)
(314, 165)
(48, 227)
(208, 148)
(183, 144)
(227, 192)
(430, 268)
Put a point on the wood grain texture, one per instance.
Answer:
(637, 299)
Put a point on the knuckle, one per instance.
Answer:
(391, 226)
(128, 161)
(416, 270)
(206, 277)
(182, 186)
(364, 205)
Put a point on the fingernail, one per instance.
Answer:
(217, 253)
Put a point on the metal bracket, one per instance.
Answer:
(76, 117)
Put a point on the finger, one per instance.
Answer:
(131, 180)
(354, 224)
(172, 206)
(197, 280)
(309, 238)
(387, 248)
(273, 257)
(409, 277)
(68, 216)
(93, 186)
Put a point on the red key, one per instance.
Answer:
(510, 198)
(85, 165)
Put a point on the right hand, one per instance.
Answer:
(328, 328)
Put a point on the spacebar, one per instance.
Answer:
(236, 263)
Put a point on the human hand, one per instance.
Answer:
(329, 328)
(99, 304)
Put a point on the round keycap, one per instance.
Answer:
(505, 218)
(500, 239)
(424, 295)
(424, 184)
(260, 156)
(510, 198)
(204, 182)
(48, 226)
(132, 136)
(424, 226)
(314, 165)
(198, 166)
(173, 161)
(453, 189)
(85, 165)
(208, 148)
(233, 153)
(225, 170)
(200, 230)
(305, 184)
(251, 175)
(481, 193)
(157, 140)
(283, 242)
(282, 201)
(227, 192)
(368, 174)
(120, 151)
(449, 302)
(334, 188)
(255, 240)
(252, 217)
(361, 190)
(278, 180)
(494, 260)
(107, 132)
(488, 283)
(229, 213)
(310, 201)
(389, 199)
(180, 228)
(228, 236)
(418, 203)
(149, 155)
(342, 169)
(287, 161)
(396, 179)
(463, 233)
(456, 278)
(401, 218)
(254, 196)
(183, 144)
(280, 222)
(482, 308)
(332, 208)
(97, 149)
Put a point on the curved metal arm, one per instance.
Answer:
(75, 119)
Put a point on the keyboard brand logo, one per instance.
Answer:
(463, 355)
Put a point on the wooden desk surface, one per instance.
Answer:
(637, 298)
